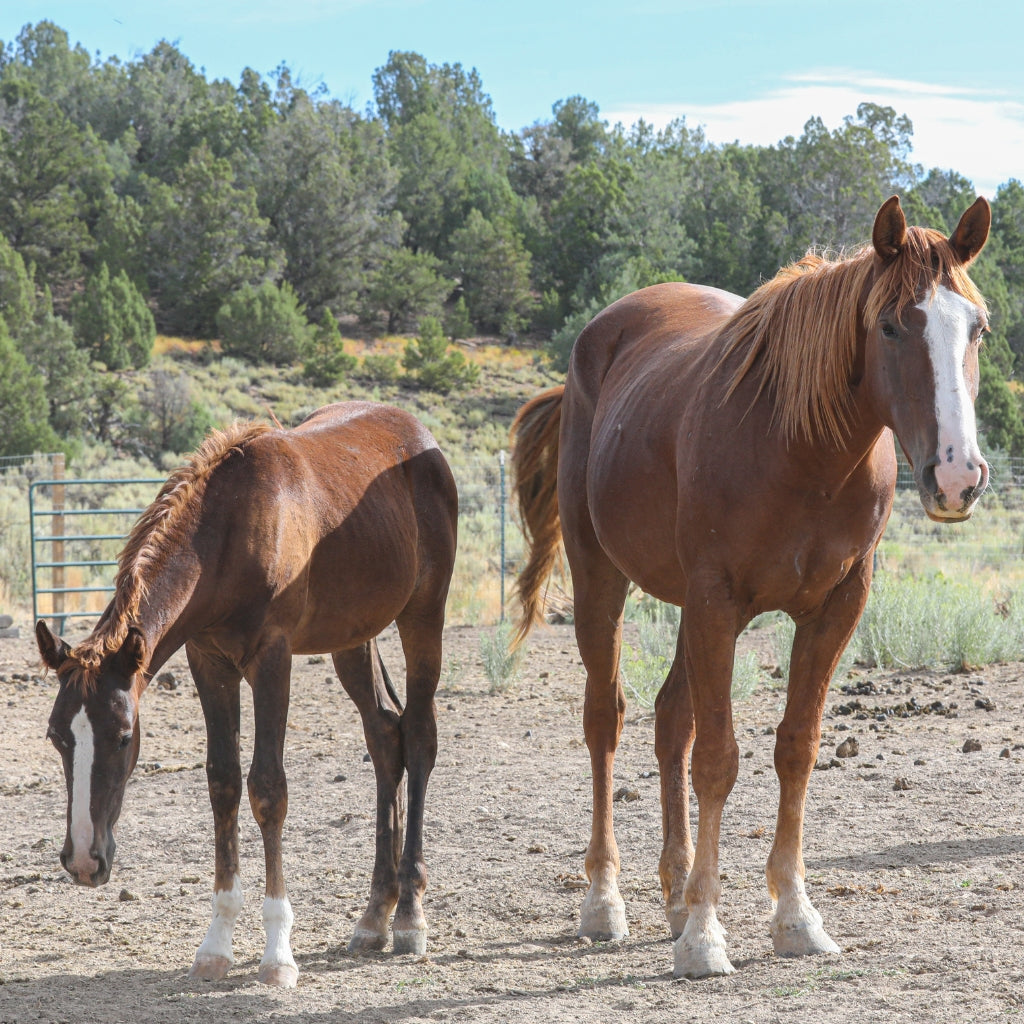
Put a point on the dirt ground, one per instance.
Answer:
(914, 849)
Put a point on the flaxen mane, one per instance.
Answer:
(800, 329)
(149, 543)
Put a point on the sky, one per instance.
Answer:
(748, 70)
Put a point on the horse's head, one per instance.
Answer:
(924, 321)
(94, 725)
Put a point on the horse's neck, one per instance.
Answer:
(168, 613)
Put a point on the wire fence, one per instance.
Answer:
(990, 546)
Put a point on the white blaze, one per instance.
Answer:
(948, 322)
(81, 788)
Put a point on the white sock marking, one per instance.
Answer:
(277, 922)
(227, 905)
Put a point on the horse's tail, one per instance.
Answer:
(535, 465)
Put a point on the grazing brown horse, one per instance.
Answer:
(731, 458)
(270, 543)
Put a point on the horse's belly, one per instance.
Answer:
(633, 509)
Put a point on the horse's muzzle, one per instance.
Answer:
(93, 872)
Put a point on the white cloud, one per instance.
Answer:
(977, 133)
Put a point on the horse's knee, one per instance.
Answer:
(268, 797)
(225, 786)
(716, 765)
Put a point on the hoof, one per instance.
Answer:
(700, 961)
(278, 975)
(603, 919)
(802, 940)
(210, 968)
(411, 940)
(365, 941)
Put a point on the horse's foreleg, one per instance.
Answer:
(360, 674)
(709, 630)
(217, 684)
(268, 797)
(796, 926)
(421, 641)
(673, 738)
(599, 597)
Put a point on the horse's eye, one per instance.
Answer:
(889, 331)
(125, 740)
(56, 740)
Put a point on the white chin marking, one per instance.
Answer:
(81, 789)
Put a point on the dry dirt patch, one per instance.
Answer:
(914, 848)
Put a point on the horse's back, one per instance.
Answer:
(338, 523)
(671, 320)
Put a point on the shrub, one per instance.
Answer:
(380, 368)
(502, 664)
(264, 324)
(430, 365)
(935, 622)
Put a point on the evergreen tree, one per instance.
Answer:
(26, 425)
(264, 324)
(112, 321)
(327, 361)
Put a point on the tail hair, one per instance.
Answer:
(535, 465)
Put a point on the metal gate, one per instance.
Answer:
(64, 534)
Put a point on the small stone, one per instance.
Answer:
(340, 778)
(167, 681)
(901, 784)
(918, 761)
(1005, 752)
(626, 795)
(127, 897)
(848, 748)
(537, 848)
(971, 745)
(366, 757)
(315, 659)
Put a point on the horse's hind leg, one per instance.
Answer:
(796, 927)
(673, 739)
(421, 641)
(360, 673)
(217, 683)
(600, 594)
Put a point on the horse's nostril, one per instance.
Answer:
(928, 480)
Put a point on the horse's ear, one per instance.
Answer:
(132, 655)
(890, 231)
(52, 649)
(972, 232)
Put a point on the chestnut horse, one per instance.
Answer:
(270, 543)
(733, 457)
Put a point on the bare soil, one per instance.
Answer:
(914, 849)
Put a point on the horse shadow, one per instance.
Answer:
(160, 997)
(923, 854)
